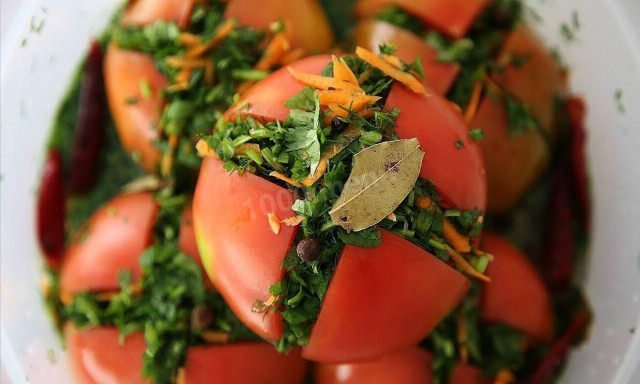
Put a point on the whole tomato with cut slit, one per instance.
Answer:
(371, 33)
(113, 240)
(310, 28)
(513, 162)
(516, 295)
(128, 77)
(452, 160)
(451, 17)
(265, 100)
(381, 300)
(240, 252)
(143, 12)
(98, 357)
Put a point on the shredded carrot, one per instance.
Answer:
(465, 266)
(293, 221)
(186, 38)
(274, 222)
(273, 53)
(215, 337)
(320, 170)
(181, 377)
(336, 97)
(183, 76)
(243, 148)
(364, 76)
(472, 109)
(222, 32)
(423, 202)
(177, 87)
(393, 60)
(368, 112)
(321, 82)
(271, 300)
(342, 72)
(181, 62)
(405, 78)
(338, 110)
(462, 336)
(204, 150)
(504, 377)
(392, 217)
(460, 243)
(284, 178)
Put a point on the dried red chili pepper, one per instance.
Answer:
(90, 126)
(560, 239)
(51, 210)
(546, 371)
(576, 110)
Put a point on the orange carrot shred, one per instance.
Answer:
(342, 72)
(274, 222)
(472, 109)
(204, 150)
(320, 170)
(284, 178)
(244, 148)
(293, 221)
(321, 82)
(405, 78)
(423, 202)
(460, 243)
(393, 60)
(215, 337)
(465, 266)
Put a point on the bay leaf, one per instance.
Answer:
(382, 177)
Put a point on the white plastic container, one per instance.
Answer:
(48, 39)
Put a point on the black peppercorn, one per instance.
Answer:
(337, 124)
(201, 317)
(308, 249)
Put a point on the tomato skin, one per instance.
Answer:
(537, 82)
(117, 235)
(410, 366)
(467, 374)
(375, 290)
(371, 33)
(516, 295)
(97, 357)
(513, 164)
(267, 98)
(143, 12)
(458, 174)
(310, 28)
(240, 252)
(123, 73)
(244, 363)
(451, 17)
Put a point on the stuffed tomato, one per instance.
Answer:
(164, 54)
(319, 217)
(98, 356)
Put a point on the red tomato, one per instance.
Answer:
(135, 116)
(243, 363)
(116, 236)
(371, 33)
(516, 295)
(310, 28)
(381, 300)
(265, 101)
(142, 12)
(451, 17)
(458, 174)
(535, 79)
(187, 238)
(513, 163)
(240, 252)
(97, 357)
(411, 366)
